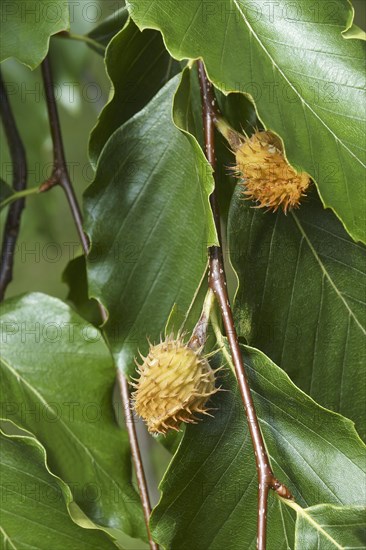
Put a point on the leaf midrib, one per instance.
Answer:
(304, 514)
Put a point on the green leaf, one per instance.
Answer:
(331, 527)
(76, 278)
(317, 453)
(301, 299)
(138, 66)
(27, 26)
(34, 512)
(107, 29)
(354, 32)
(171, 440)
(149, 220)
(57, 383)
(306, 80)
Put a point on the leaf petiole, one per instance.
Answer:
(19, 195)
(83, 38)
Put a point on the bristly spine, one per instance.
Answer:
(265, 175)
(174, 385)
(263, 171)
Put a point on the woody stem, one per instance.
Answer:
(217, 282)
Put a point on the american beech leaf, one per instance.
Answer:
(27, 26)
(149, 222)
(75, 277)
(109, 27)
(35, 502)
(301, 299)
(138, 65)
(330, 527)
(310, 449)
(306, 79)
(57, 383)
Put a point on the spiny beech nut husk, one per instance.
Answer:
(266, 176)
(175, 383)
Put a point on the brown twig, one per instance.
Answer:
(60, 176)
(217, 282)
(19, 165)
(135, 449)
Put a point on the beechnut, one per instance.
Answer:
(265, 175)
(175, 384)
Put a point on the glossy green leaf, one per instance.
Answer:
(33, 503)
(331, 528)
(138, 65)
(76, 278)
(149, 220)
(301, 299)
(355, 33)
(27, 26)
(57, 383)
(209, 493)
(307, 81)
(107, 29)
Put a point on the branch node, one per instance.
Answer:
(49, 184)
(281, 489)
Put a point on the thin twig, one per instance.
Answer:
(60, 176)
(19, 165)
(135, 449)
(217, 281)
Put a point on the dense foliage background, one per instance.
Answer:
(144, 184)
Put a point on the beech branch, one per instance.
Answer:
(60, 176)
(19, 165)
(217, 282)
